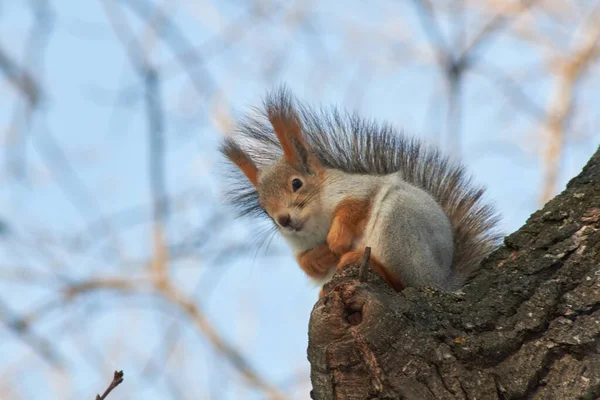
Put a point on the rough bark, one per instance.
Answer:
(526, 327)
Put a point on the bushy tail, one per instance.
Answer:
(347, 142)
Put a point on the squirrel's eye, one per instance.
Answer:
(296, 184)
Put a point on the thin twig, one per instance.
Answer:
(125, 35)
(196, 316)
(512, 88)
(23, 114)
(172, 36)
(495, 25)
(454, 63)
(19, 77)
(432, 29)
(156, 166)
(67, 179)
(42, 346)
(141, 63)
(454, 79)
(117, 379)
(364, 271)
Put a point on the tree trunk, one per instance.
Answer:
(526, 327)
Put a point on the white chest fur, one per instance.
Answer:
(313, 233)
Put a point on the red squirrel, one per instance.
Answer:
(334, 183)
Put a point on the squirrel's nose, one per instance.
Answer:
(284, 220)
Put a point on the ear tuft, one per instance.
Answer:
(236, 155)
(288, 127)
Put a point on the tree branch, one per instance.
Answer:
(20, 78)
(117, 379)
(527, 326)
(198, 318)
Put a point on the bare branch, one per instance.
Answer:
(156, 164)
(40, 345)
(511, 88)
(119, 24)
(228, 351)
(68, 181)
(23, 114)
(569, 72)
(497, 23)
(179, 45)
(20, 78)
(154, 113)
(364, 271)
(218, 44)
(453, 64)
(198, 318)
(117, 379)
(431, 27)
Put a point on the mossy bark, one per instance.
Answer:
(526, 327)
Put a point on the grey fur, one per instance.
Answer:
(355, 145)
(407, 229)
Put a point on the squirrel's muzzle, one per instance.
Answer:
(284, 220)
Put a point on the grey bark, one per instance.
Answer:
(526, 327)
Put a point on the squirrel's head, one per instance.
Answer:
(289, 189)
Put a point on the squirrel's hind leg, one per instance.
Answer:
(358, 256)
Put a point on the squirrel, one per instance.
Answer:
(334, 183)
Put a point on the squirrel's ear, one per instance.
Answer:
(236, 155)
(288, 128)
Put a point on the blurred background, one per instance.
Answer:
(116, 251)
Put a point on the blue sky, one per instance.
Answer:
(93, 108)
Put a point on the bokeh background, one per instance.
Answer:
(116, 249)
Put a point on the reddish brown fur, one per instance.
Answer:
(244, 163)
(278, 195)
(287, 127)
(357, 257)
(316, 262)
(297, 162)
(349, 220)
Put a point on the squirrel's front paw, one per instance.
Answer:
(314, 270)
(317, 262)
(339, 239)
